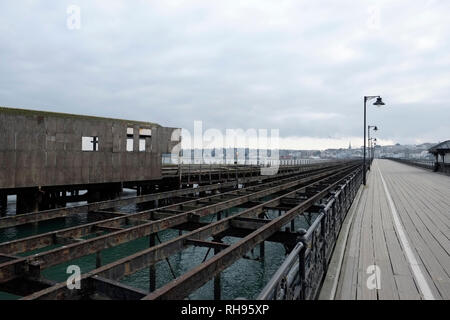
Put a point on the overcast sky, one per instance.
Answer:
(302, 67)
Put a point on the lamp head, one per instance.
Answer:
(379, 102)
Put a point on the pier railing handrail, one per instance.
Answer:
(300, 276)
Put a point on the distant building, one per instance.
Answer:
(441, 153)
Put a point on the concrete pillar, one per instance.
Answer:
(45, 203)
(3, 203)
(27, 201)
(3, 199)
(94, 195)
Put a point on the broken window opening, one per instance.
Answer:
(89, 143)
(141, 145)
(130, 143)
(130, 140)
(144, 134)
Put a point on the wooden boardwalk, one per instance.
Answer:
(401, 225)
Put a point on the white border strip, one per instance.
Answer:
(420, 278)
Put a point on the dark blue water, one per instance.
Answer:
(243, 279)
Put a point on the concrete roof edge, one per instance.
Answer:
(28, 112)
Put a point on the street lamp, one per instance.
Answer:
(379, 102)
(375, 128)
(374, 143)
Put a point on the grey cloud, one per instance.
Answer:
(262, 65)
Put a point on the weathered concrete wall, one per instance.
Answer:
(45, 149)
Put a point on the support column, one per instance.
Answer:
(152, 270)
(138, 191)
(262, 245)
(93, 195)
(27, 201)
(3, 203)
(3, 199)
(217, 284)
(98, 259)
(262, 251)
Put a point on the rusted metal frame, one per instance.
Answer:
(314, 259)
(62, 212)
(7, 257)
(286, 277)
(206, 244)
(25, 286)
(287, 238)
(46, 239)
(6, 222)
(65, 241)
(248, 223)
(198, 276)
(115, 290)
(126, 265)
(143, 259)
(73, 251)
(43, 240)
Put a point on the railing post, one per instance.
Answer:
(302, 264)
(323, 234)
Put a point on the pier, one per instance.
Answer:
(340, 236)
(398, 238)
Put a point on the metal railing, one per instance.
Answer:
(300, 276)
(168, 160)
(427, 164)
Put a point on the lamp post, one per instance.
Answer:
(374, 143)
(375, 128)
(379, 102)
(371, 149)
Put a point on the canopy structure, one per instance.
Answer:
(442, 153)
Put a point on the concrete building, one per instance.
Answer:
(43, 155)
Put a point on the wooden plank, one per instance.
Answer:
(422, 199)
(426, 248)
(348, 278)
(388, 289)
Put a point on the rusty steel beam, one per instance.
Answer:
(26, 286)
(115, 290)
(206, 244)
(46, 239)
(11, 221)
(201, 274)
(76, 250)
(138, 261)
